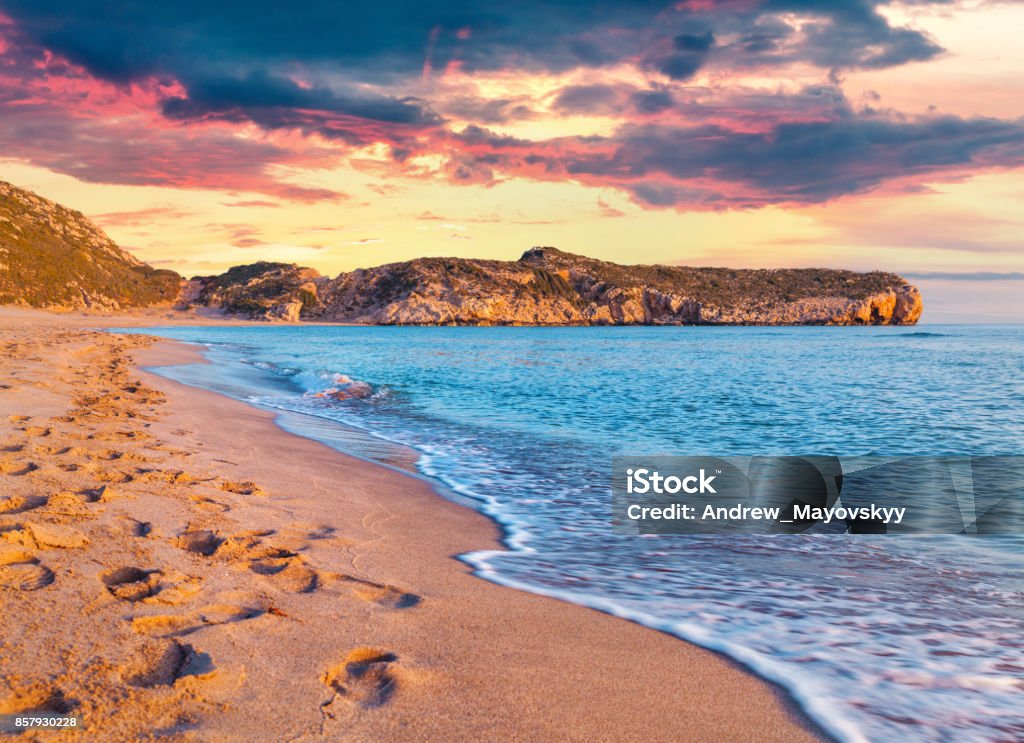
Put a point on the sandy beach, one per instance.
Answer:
(174, 565)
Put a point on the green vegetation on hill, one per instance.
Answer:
(54, 257)
(255, 288)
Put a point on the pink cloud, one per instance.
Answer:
(676, 145)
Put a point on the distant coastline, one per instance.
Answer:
(56, 258)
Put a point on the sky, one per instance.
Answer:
(745, 133)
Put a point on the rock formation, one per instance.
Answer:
(53, 257)
(263, 290)
(549, 287)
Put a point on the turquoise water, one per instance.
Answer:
(877, 638)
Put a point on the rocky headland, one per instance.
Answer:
(55, 258)
(550, 287)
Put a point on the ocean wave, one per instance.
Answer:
(334, 386)
(269, 366)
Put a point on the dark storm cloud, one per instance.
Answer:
(694, 42)
(840, 34)
(688, 55)
(718, 166)
(808, 161)
(259, 90)
(237, 61)
(123, 40)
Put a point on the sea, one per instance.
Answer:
(875, 637)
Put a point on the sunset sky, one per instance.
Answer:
(850, 133)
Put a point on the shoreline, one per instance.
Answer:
(374, 582)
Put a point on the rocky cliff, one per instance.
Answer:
(550, 287)
(51, 256)
(263, 290)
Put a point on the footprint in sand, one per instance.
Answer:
(59, 451)
(161, 662)
(249, 546)
(114, 476)
(36, 431)
(367, 678)
(383, 595)
(204, 503)
(38, 696)
(21, 571)
(134, 528)
(176, 588)
(131, 584)
(117, 435)
(56, 536)
(177, 625)
(19, 418)
(287, 573)
(17, 469)
(242, 488)
(107, 456)
(12, 448)
(199, 541)
(283, 568)
(100, 494)
(22, 503)
(171, 477)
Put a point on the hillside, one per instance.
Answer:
(264, 290)
(549, 287)
(53, 257)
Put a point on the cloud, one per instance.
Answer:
(805, 148)
(138, 217)
(56, 115)
(275, 102)
(809, 162)
(127, 152)
(609, 211)
(387, 41)
(685, 57)
(652, 101)
(586, 99)
(253, 204)
(208, 96)
(482, 110)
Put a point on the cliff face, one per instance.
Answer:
(263, 290)
(549, 287)
(54, 257)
